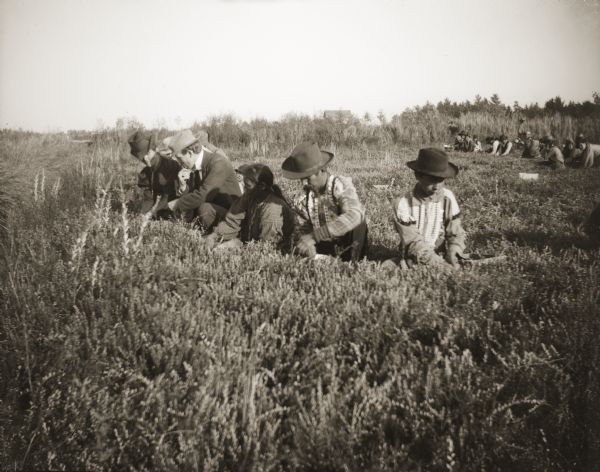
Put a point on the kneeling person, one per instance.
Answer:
(428, 218)
(261, 214)
(212, 184)
(158, 178)
(335, 222)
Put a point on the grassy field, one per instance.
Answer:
(140, 350)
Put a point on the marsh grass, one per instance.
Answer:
(129, 346)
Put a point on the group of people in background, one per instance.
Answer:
(187, 177)
(573, 153)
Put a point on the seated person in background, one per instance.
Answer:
(212, 185)
(504, 146)
(589, 153)
(428, 218)
(334, 219)
(553, 156)
(477, 147)
(468, 143)
(159, 177)
(459, 140)
(531, 147)
(262, 213)
(492, 143)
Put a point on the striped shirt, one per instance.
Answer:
(337, 209)
(428, 214)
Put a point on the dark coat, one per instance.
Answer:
(161, 180)
(216, 182)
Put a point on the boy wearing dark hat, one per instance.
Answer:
(158, 178)
(261, 214)
(334, 218)
(428, 218)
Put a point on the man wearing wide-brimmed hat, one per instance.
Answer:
(428, 217)
(158, 178)
(212, 184)
(552, 154)
(261, 214)
(335, 222)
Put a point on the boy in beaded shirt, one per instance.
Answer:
(427, 218)
(334, 218)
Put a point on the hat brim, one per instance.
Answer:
(451, 170)
(288, 174)
(243, 170)
(181, 146)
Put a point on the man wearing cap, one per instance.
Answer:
(552, 153)
(158, 178)
(428, 218)
(334, 219)
(261, 214)
(213, 186)
(589, 153)
(531, 148)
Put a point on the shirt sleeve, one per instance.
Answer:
(303, 220)
(453, 230)
(352, 213)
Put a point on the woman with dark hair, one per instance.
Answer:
(261, 214)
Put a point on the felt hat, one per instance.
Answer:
(182, 140)
(434, 162)
(259, 173)
(580, 138)
(305, 160)
(140, 143)
(547, 139)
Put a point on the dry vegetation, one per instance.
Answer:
(140, 350)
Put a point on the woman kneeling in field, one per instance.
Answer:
(261, 214)
(428, 217)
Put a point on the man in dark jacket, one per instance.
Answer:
(158, 178)
(212, 183)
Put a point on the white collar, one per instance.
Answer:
(198, 163)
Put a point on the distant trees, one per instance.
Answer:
(429, 123)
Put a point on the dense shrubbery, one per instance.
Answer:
(130, 347)
(414, 126)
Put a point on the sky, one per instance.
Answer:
(82, 64)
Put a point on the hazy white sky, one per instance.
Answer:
(76, 63)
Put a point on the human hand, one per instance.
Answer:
(452, 257)
(306, 246)
(211, 240)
